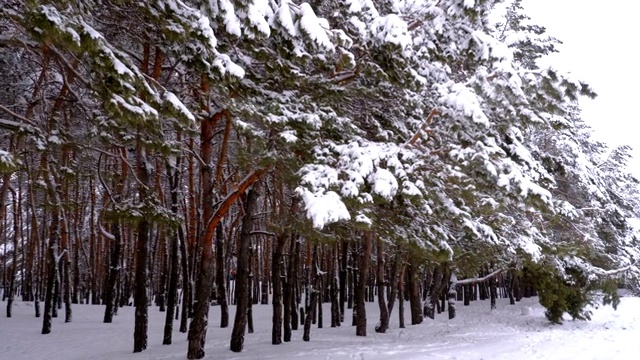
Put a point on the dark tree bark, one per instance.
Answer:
(320, 293)
(395, 277)
(401, 296)
(14, 257)
(467, 294)
(343, 277)
(253, 291)
(114, 273)
(172, 295)
(334, 288)
(294, 279)
(430, 305)
(48, 297)
(414, 295)
(221, 279)
(512, 286)
(493, 290)
(365, 259)
(382, 304)
(276, 281)
(174, 264)
(287, 294)
(161, 297)
(242, 273)
(313, 289)
(142, 255)
(65, 284)
(141, 298)
(52, 271)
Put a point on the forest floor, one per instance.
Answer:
(476, 333)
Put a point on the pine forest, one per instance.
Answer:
(192, 156)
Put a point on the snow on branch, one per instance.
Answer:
(602, 272)
(478, 280)
(106, 234)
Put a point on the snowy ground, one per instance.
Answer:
(477, 333)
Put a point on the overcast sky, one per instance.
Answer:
(600, 47)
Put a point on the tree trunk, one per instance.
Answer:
(334, 290)
(52, 271)
(174, 256)
(289, 292)
(172, 295)
(493, 291)
(467, 293)
(198, 327)
(401, 296)
(295, 290)
(186, 286)
(511, 287)
(365, 259)
(221, 279)
(141, 254)
(414, 295)
(252, 290)
(276, 281)
(243, 272)
(49, 301)
(14, 256)
(306, 336)
(382, 304)
(343, 277)
(452, 299)
(114, 273)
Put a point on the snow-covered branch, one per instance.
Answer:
(478, 280)
(106, 234)
(602, 272)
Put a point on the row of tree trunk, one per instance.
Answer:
(120, 265)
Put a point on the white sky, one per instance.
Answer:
(600, 47)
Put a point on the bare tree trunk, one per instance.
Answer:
(114, 273)
(276, 281)
(306, 336)
(289, 292)
(221, 279)
(414, 295)
(186, 286)
(401, 296)
(141, 259)
(365, 259)
(243, 272)
(334, 290)
(294, 278)
(174, 255)
(452, 298)
(52, 270)
(198, 327)
(492, 289)
(512, 286)
(14, 256)
(343, 277)
(395, 277)
(382, 304)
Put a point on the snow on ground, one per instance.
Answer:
(477, 333)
